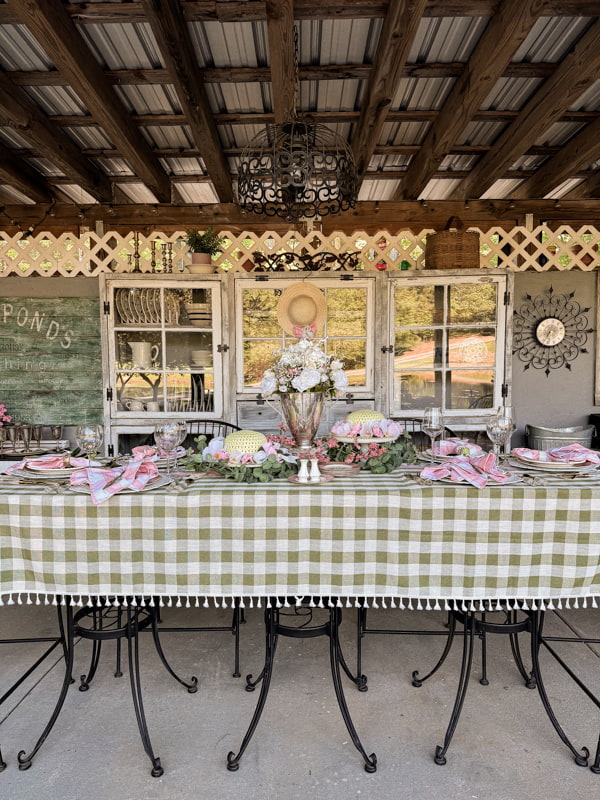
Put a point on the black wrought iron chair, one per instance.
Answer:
(123, 618)
(478, 624)
(212, 428)
(277, 623)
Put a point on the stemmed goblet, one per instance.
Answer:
(433, 424)
(166, 436)
(56, 433)
(500, 427)
(89, 438)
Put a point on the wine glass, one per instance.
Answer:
(56, 434)
(433, 424)
(36, 434)
(496, 433)
(89, 438)
(166, 436)
(506, 423)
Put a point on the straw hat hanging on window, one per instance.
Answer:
(300, 306)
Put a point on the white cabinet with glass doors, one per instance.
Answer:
(163, 352)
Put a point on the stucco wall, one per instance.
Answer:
(564, 397)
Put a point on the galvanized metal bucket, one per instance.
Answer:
(546, 438)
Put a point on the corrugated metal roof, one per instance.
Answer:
(20, 51)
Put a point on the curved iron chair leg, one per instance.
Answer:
(237, 620)
(25, 759)
(416, 681)
(516, 651)
(483, 638)
(359, 679)
(463, 684)
(596, 765)
(271, 617)
(335, 657)
(86, 679)
(192, 686)
(537, 624)
(136, 689)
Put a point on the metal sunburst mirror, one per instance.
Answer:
(550, 330)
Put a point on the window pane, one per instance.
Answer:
(419, 305)
(470, 388)
(416, 349)
(472, 303)
(418, 389)
(353, 353)
(471, 348)
(259, 314)
(259, 355)
(346, 312)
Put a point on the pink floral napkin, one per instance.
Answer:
(477, 471)
(50, 462)
(565, 454)
(104, 483)
(454, 446)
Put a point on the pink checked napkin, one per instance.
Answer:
(565, 454)
(148, 451)
(104, 483)
(49, 462)
(453, 446)
(476, 471)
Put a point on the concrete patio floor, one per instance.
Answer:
(504, 748)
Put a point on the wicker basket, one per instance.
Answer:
(547, 438)
(452, 248)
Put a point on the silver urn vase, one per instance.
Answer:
(302, 414)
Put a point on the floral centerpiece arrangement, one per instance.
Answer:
(270, 460)
(4, 417)
(303, 377)
(376, 457)
(304, 367)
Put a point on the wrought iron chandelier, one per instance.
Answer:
(297, 169)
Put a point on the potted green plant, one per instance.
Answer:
(203, 246)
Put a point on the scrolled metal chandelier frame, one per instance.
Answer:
(297, 170)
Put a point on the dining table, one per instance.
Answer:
(367, 540)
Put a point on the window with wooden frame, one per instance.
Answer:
(347, 330)
(449, 343)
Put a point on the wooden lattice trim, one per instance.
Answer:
(90, 254)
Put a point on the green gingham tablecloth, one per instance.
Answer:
(383, 538)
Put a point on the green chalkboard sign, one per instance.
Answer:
(50, 359)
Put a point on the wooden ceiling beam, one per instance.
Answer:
(282, 57)
(254, 10)
(54, 30)
(19, 113)
(397, 34)
(17, 173)
(392, 216)
(327, 117)
(576, 72)
(171, 33)
(579, 152)
(588, 189)
(308, 72)
(503, 34)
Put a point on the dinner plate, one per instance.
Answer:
(339, 469)
(512, 478)
(552, 466)
(364, 439)
(157, 483)
(322, 479)
(44, 472)
(556, 466)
